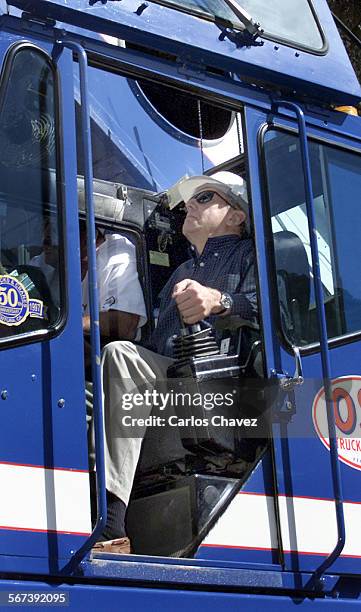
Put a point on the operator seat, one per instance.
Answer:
(294, 284)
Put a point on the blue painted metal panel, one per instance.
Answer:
(229, 89)
(259, 559)
(38, 375)
(95, 598)
(329, 77)
(38, 432)
(53, 550)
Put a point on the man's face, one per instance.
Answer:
(206, 218)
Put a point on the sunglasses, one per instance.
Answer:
(204, 197)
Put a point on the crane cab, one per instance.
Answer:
(104, 107)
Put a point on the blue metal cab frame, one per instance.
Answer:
(44, 428)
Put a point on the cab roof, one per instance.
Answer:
(289, 46)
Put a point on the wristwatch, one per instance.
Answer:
(226, 302)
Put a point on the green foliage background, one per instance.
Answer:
(349, 11)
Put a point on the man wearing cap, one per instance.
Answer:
(218, 280)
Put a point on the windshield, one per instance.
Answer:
(293, 22)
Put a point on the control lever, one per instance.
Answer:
(193, 341)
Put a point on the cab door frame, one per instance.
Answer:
(45, 392)
(291, 484)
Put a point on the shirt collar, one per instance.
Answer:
(217, 244)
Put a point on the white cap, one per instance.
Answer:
(228, 185)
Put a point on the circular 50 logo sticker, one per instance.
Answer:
(346, 394)
(15, 303)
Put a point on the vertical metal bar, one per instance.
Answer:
(325, 354)
(93, 307)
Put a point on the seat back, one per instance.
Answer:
(294, 284)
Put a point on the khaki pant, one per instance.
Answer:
(127, 368)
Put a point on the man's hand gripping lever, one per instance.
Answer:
(194, 302)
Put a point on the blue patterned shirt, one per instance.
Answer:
(226, 264)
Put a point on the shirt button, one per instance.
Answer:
(216, 254)
(202, 264)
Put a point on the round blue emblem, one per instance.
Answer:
(14, 301)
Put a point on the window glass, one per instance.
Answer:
(29, 236)
(293, 22)
(186, 113)
(147, 135)
(336, 177)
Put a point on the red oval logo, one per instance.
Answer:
(346, 394)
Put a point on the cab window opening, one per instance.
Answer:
(142, 170)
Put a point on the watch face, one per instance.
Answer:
(226, 300)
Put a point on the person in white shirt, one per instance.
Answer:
(121, 302)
